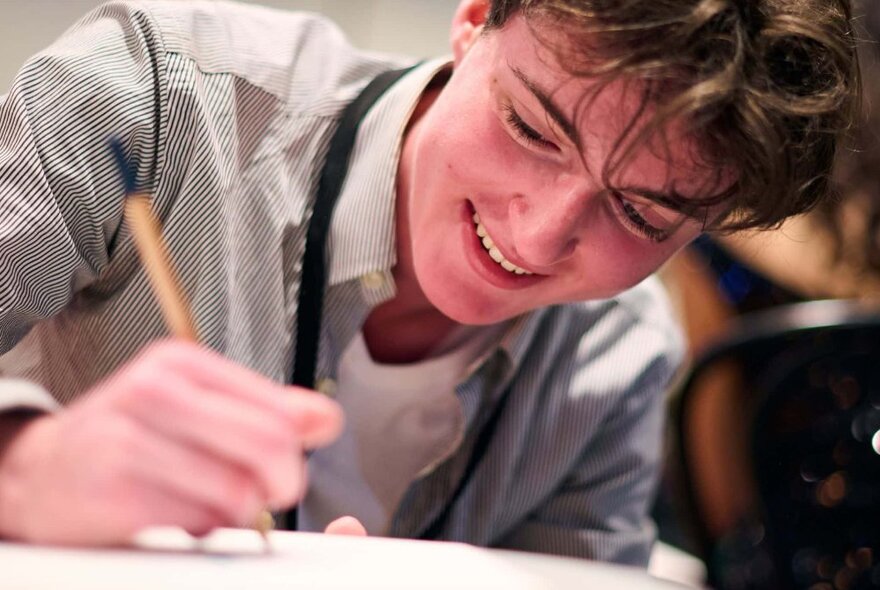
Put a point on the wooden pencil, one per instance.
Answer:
(147, 234)
(154, 256)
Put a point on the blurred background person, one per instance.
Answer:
(831, 252)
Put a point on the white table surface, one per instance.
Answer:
(169, 559)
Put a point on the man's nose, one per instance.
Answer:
(547, 225)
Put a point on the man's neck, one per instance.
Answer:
(397, 333)
(408, 327)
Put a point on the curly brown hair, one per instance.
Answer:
(857, 175)
(765, 87)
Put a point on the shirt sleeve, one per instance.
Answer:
(60, 193)
(61, 196)
(17, 394)
(601, 511)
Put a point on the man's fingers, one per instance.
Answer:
(199, 478)
(230, 430)
(316, 419)
(319, 420)
(152, 505)
(347, 525)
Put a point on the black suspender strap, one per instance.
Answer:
(313, 280)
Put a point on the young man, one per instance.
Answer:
(487, 260)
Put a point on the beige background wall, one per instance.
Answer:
(413, 27)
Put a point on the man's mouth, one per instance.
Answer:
(493, 251)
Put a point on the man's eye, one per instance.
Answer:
(524, 131)
(636, 222)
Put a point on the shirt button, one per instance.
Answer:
(373, 280)
(326, 386)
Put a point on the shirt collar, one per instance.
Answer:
(506, 356)
(517, 338)
(362, 236)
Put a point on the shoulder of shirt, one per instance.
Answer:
(649, 304)
(645, 307)
(302, 59)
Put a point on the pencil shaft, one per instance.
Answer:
(148, 240)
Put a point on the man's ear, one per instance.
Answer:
(467, 24)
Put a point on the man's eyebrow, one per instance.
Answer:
(552, 109)
(674, 202)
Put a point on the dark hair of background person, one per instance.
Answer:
(765, 87)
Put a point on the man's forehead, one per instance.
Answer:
(525, 60)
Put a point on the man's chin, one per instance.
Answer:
(464, 310)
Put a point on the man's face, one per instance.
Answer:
(492, 148)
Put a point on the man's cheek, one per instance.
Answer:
(482, 154)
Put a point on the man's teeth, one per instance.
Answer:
(494, 252)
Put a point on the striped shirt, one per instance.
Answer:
(226, 111)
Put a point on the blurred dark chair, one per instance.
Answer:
(775, 466)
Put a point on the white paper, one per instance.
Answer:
(169, 559)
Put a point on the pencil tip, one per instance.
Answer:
(128, 176)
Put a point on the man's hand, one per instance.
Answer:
(179, 436)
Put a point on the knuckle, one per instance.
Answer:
(151, 393)
(133, 397)
(135, 382)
